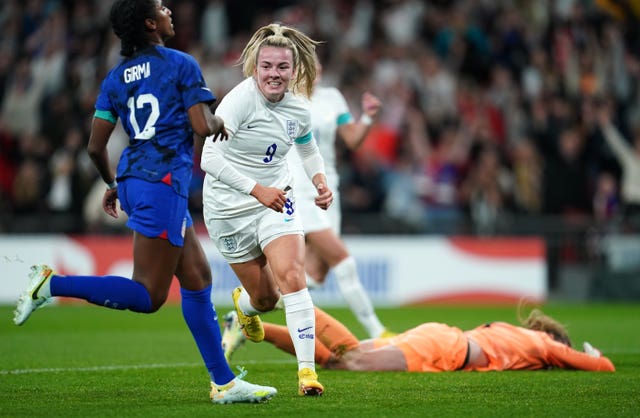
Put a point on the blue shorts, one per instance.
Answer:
(154, 209)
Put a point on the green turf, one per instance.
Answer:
(83, 361)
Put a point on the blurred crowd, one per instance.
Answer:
(494, 110)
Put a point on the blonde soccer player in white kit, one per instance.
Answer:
(330, 117)
(249, 205)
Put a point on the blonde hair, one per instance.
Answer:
(538, 321)
(303, 48)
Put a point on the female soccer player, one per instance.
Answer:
(249, 206)
(161, 98)
(330, 117)
(540, 343)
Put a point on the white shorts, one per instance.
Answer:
(316, 219)
(243, 238)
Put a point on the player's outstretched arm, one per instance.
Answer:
(354, 133)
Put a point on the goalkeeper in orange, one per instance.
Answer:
(540, 343)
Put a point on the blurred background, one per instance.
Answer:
(497, 121)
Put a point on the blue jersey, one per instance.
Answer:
(151, 93)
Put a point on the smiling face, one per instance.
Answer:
(273, 72)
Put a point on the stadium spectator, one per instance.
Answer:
(539, 343)
(402, 202)
(627, 153)
(438, 89)
(71, 170)
(215, 27)
(565, 190)
(20, 112)
(249, 211)
(402, 20)
(364, 188)
(486, 191)
(441, 167)
(526, 166)
(31, 182)
(161, 99)
(606, 201)
(490, 63)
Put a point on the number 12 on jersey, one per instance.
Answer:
(140, 102)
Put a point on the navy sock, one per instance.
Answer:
(113, 292)
(201, 318)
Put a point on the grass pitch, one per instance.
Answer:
(81, 360)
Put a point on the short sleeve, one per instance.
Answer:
(341, 107)
(193, 88)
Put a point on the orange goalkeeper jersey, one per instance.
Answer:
(430, 347)
(509, 347)
(436, 347)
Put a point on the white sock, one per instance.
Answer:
(356, 297)
(301, 322)
(244, 302)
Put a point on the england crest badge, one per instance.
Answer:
(292, 129)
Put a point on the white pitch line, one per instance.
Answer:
(125, 367)
(176, 365)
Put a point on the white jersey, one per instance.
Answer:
(329, 110)
(261, 134)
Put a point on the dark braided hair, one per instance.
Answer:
(127, 20)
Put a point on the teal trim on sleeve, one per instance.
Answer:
(344, 118)
(304, 139)
(106, 115)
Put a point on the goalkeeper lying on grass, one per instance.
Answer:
(540, 343)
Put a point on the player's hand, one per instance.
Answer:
(271, 197)
(219, 132)
(325, 196)
(590, 350)
(109, 202)
(371, 105)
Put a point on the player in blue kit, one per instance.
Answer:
(160, 96)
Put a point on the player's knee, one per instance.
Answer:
(157, 300)
(202, 271)
(197, 276)
(319, 273)
(335, 258)
(265, 303)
